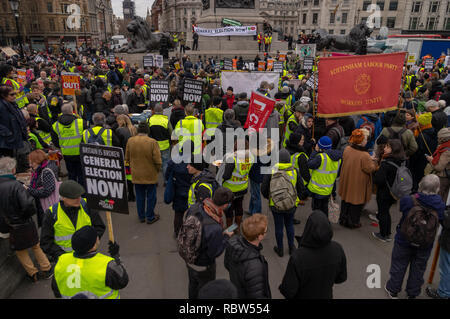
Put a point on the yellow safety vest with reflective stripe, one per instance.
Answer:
(213, 118)
(33, 137)
(239, 178)
(291, 173)
(163, 121)
(21, 99)
(144, 91)
(323, 178)
(286, 109)
(190, 128)
(45, 104)
(46, 137)
(69, 136)
(85, 276)
(408, 82)
(301, 76)
(63, 227)
(192, 199)
(288, 132)
(294, 163)
(106, 135)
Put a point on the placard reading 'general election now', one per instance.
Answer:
(192, 91)
(104, 172)
(308, 63)
(159, 90)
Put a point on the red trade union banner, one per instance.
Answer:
(359, 84)
(259, 111)
(70, 83)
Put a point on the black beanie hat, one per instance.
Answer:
(218, 289)
(84, 239)
(285, 156)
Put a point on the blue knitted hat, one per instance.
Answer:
(325, 143)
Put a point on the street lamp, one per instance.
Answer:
(15, 9)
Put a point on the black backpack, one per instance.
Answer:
(420, 225)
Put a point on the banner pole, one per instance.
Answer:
(314, 98)
(434, 264)
(110, 226)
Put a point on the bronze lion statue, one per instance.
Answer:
(143, 39)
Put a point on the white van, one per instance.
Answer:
(118, 41)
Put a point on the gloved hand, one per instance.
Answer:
(113, 249)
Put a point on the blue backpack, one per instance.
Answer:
(96, 138)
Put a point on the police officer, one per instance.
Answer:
(294, 120)
(190, 128)
(64, 218)
(161, 131)
(97, 276)
(107, 136)
(324, 163)
(69, 131)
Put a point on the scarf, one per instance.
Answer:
(439, 151)
(213, 211)
(422, 128)
(37, 172)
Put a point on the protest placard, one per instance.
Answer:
(192, 91)
(308, 63)
(70, 83)
(149, 61)
(159, 90)
(227, 64)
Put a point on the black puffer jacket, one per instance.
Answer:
(386, 174)
(317, 264)
(248, 269)
(16, 205)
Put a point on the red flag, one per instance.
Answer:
(259, 111)
(359, 84)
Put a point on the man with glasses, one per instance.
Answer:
(248, 269)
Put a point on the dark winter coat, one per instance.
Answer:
(307, 133)
(134, 100)
(385, 174)
(348, 124)
(214, 241)
(13, 127)
(439, 120)
(418, 161)
(444, 240)
(406, 203)
(335, 132)
(177, 114)
(248, 269)
(123, 134)
(317, 264)
(241, 111)
(302, 161)
(182, 183)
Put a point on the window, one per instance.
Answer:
(64, 7)
(390, 22)
(393, 5)
(344, 18)
(316, 3)
(381, 5)
(431, 23)
(50, 7)
(330, 31)
(434, 6)
(185, 11)
(416, 6)
(305, 3)
(413, 22)
(304, 18)
(332, 17)
(447, 24)
(366, 4)
(315, 18)
(342, 32)
(448, 7)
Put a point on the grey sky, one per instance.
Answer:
(141, 7)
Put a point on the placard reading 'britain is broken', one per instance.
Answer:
(104, 172)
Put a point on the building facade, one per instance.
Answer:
(178, 16)
(157, 11)
(44, 23)
(282, 15)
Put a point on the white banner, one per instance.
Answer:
(226, 31)
(249, 81)
(306, 50)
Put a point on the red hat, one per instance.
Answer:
(140, 82)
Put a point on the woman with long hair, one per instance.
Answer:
(126, 130)
(393, 157)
